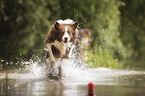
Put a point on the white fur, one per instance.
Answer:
(52, 59)
(67, 21)
(66, 35)
(61, 46)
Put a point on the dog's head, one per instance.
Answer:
(66, 32)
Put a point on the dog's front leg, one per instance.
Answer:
(70, 51)
(52, 59)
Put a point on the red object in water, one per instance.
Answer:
(91, 89)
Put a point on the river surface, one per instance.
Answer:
(33, 82)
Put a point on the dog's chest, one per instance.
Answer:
(62, 47)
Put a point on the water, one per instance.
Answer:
(33, 81)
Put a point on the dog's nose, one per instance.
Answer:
(65, 39)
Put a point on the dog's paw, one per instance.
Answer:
(52, 60)
(46, 49)
(67, 56)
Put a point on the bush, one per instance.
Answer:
(100, 57)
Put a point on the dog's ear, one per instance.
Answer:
(74, 26)
(56, 25)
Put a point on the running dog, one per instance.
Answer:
(61, 40)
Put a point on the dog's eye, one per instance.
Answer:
(62, 32)
(68, 32)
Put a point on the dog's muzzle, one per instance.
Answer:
(65, 40)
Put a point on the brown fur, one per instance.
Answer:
(57, 31)
(58, 48)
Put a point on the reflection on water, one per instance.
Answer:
(108, 83)
(30, 88)
(33, 81)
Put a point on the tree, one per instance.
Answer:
(23, 27)
(132, 27)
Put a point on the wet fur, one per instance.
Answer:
(56, 47)
(55, 36)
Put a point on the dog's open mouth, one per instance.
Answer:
(65, 41)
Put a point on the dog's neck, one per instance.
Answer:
(62, 46)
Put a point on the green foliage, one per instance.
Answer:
(132, 28)
(0, 65)
(24, 26)
(117, 26)
(107, 27)
(101, 57)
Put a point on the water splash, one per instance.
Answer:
(37, 70)
(76, 70)
(72, 69)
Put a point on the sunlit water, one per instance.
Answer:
(33, 81)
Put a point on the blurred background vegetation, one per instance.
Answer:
(117, 28)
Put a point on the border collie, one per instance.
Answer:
(61, 40)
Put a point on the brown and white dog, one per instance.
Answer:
(61, 40)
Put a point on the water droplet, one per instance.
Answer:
(11, 63)
(2, 60)
(7, 62)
